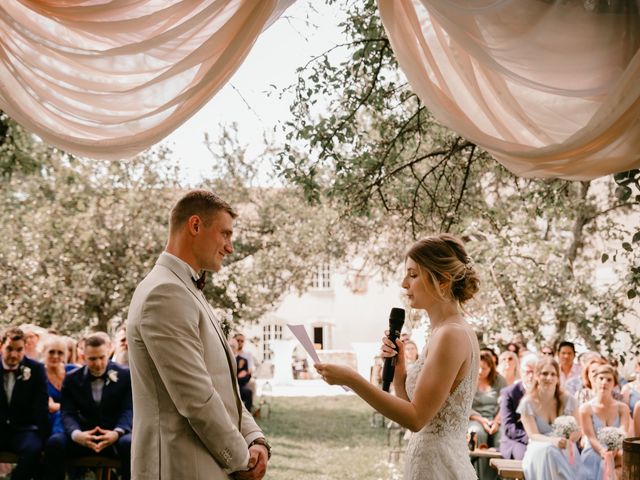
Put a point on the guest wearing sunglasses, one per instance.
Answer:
(55, 352)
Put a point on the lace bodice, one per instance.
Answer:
(454, 414)
(434, 451)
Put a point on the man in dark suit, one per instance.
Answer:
(97, 412)
(24, 423)
(513, 439)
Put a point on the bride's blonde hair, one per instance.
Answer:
(442, 259)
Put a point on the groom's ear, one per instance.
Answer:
(194, 224)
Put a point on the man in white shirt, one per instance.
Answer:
(566, 359)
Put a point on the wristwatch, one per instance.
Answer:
(262, 441)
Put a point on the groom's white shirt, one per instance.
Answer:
(189, 421)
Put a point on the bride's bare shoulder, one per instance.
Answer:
(452, 335)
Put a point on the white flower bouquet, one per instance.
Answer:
(564, 426)
(611, 439)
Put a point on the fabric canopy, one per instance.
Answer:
(109, 78)
(549, 88)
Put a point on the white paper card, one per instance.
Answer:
(300, 333)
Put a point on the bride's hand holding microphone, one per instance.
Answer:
(395, 350)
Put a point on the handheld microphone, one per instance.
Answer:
(396, 321)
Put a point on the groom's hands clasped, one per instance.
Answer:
(258, 457)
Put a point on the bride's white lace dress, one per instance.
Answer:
(439, 451)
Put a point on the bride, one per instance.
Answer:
(434, 396)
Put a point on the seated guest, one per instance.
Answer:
(121, 354)
(55, 349)
(568, 368)
(513, 347)
(23, 405)
(602, 411)
(80, 360)
(520, 342)
(588, 376)
(546, 457)
(411, 353)
(485, 413)
(574, 385)
(107, 339)
(547, 351)
(513, 437)
(71, 357)
(31, 342)
(492, 352)
(631, 391)
(96, 408)
(244, 377)
(617, 391)
(509, 367)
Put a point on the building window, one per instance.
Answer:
(321, 278)
(318, 337)
(269, 333)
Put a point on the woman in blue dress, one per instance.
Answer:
(55, 350)
(631, 391)
(602, 411)
(547, 456)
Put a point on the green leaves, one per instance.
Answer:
(376, 153)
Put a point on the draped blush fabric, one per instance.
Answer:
(109, 78)
(551, 88)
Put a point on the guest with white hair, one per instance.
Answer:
(31, 342)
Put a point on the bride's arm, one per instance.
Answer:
(448, 350)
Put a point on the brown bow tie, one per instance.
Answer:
(200, 281)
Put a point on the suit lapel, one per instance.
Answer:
(3, 396)
(169, 263)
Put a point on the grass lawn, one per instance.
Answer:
(326, 438)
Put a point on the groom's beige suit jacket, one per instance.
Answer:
(188, 420)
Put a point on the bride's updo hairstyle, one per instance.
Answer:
(443, 259)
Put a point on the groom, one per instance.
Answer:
(189, 421)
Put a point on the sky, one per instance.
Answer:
(301, 33)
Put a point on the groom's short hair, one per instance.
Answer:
(197, 202)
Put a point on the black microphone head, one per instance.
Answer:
(396, 319)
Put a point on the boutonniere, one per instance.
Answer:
(112, 376)
(25, 373)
